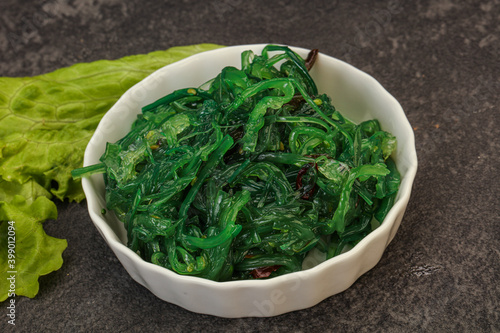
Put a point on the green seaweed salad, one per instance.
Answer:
(242, 177)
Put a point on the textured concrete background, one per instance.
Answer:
(439, 58)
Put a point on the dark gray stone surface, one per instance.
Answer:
(439, 58)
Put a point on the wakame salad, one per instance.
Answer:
(242, 177)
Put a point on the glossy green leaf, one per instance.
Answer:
(46, 122)
(36, 253)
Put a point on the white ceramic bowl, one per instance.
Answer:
(356, 94)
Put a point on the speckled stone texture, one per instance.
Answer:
(439, 58)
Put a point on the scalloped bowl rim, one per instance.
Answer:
(146, 273)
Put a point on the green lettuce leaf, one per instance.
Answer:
(36, 253)
(46, 122)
